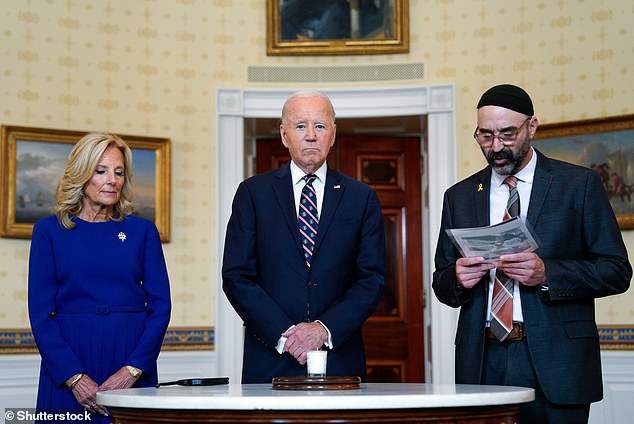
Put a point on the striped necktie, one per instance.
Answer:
(502, 300)
(308, 220)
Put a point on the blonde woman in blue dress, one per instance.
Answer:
(99, 297)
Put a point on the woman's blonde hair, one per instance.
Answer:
(82, 162)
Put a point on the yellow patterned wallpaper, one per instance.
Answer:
(151, 67)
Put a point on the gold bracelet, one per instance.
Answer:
(75, 381)
(134, 372)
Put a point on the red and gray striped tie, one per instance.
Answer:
(502, 300)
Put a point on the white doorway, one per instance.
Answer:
(233, 106)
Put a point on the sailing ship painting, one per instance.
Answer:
(39, 166)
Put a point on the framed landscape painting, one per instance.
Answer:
(605, 145)
(34, 159)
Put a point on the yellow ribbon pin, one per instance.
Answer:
(480, 187)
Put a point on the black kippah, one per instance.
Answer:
(508, 96)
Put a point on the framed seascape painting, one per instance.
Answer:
(337, 27)
(34, 159)
(605, 145)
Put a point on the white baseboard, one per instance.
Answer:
(175, 365)
(618, 389)
(19, 373)
(18, 381)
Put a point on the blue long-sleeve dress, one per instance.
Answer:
(99, 299)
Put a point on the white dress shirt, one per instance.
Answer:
(498, 197)
(319, 183)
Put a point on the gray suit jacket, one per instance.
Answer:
(584, 256)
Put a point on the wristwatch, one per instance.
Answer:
(133, 371)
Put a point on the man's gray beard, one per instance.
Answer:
(513, 163)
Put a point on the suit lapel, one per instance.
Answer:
(283, 188)
(481, 195)
(333, 192)
(541, 184)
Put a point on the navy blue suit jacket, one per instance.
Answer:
(584, 256)
(267, 281)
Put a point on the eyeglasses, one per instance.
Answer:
(508, 135)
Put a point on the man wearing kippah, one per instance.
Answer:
(528, 319)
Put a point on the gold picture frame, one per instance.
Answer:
(33, 160)
(364, 27)
(603, 144)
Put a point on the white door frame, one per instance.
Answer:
(435, 101)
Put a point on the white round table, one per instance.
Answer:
(385, 402)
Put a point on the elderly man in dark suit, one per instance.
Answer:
(531, 321)
(304, 258)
